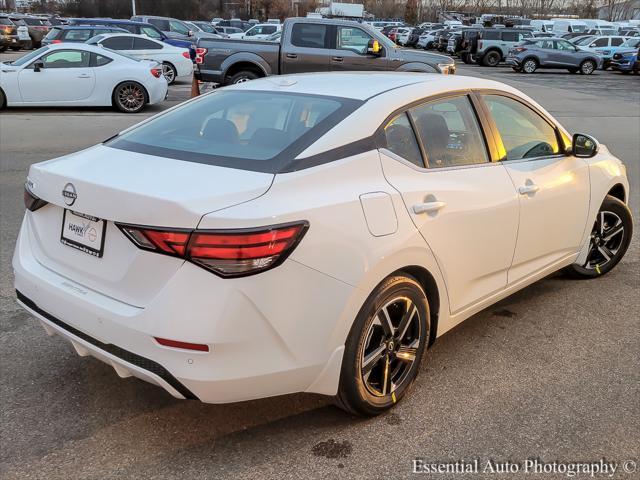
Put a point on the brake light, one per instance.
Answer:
(479, 44)
(6, 28)
(519, 49)
(156, 72)
(186, 55)
(200, 53)
(227, 253)
(56, 41)
(31, 202)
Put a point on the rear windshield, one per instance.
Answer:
(249, 130)
(5, 21)
(53, 33)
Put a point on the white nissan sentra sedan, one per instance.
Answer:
(311, 233)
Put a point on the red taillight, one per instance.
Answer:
(186, 55)
(6, 28)
(56, 41)
(519, 49)
(228, 253)
(31, 202)
(200, 53)
(198, 347)
(156, 72)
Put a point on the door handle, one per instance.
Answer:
(292, 56)
(84, 76)
(337, 59)
(428, 207)
(527, 189)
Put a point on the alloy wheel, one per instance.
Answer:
(530, 66)
(587, 68)
(605, 241)
(168, 72)
(390, 347)
(131, 97)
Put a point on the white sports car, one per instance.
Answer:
(175, 61)
(76, 75)
(311, 233)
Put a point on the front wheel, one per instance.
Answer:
(129, 97)
(385, 347)
(491, 59)
(608, 241)
(587, 67)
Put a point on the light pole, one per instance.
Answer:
(133, 7)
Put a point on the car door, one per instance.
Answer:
(307, 49)
(565, 54)
(553, 187)
(66, 77)
(464, 205)
(350, 51)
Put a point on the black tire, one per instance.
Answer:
(15, 49)
(169, 72)
(394, 355)
(2, 49)
(587, 67)
(491, 59)
(3, 99)
(529, 65)
(130, 97)
(242, 76)
(625, 72)
(606, 240)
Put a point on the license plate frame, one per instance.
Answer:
(92, 233)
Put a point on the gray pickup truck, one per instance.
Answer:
(311, 45)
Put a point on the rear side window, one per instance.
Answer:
(601, 42)
(118, 43)
(252, 130)
(615, 42)
(450, 133)
(401, 140)
(150, 32)
(524, 133)
(78, 35)
(160, 23)
(491, 35)
(144, 44)
(99, 60)
(510, 36)
(309, 35)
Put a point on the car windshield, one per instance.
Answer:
(252, 130)
(205, 26)
(584, 41)
(28, 57)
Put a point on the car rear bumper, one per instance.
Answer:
(267, 335)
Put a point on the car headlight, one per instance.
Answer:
(447, 68)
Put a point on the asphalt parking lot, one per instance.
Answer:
(550, 373)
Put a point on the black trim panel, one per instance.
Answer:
(114, 350)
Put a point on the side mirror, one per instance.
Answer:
(191, 33)
(374, 48)
(584, 146)
(37, 66)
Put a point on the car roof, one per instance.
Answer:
(365, 85)
(81, 27)
(109, 21)
(128, 34)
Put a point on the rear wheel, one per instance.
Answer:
(385, 347)
(241, 77)
(2, 49)
(529, 65)
(608, 241)
(169, 72)
(491, 59)
(129, 97)
(15, 49)
(3, 100)
(587, 67)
